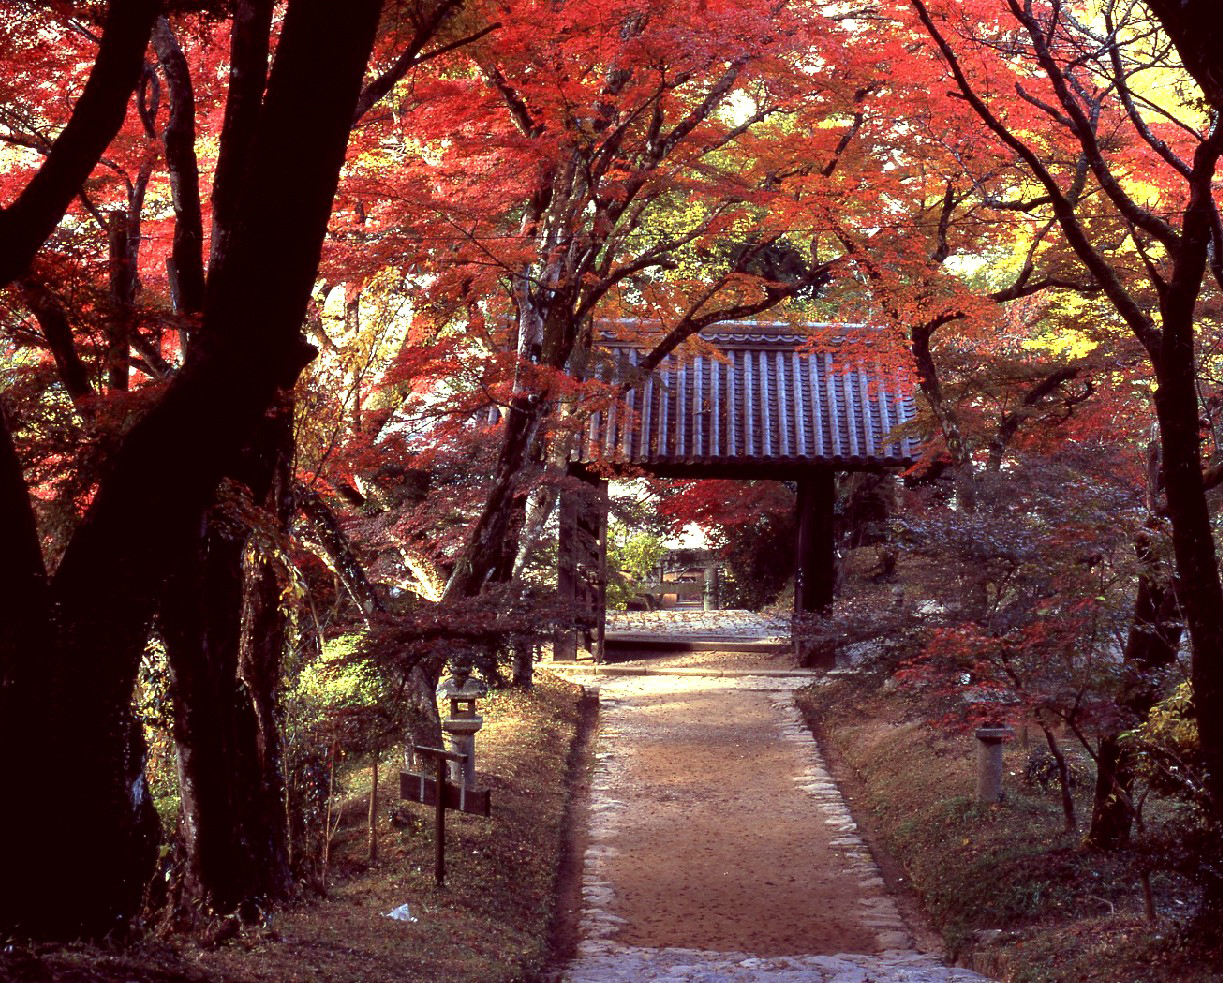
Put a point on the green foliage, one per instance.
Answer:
(335, 707)
(631, 555)
(1178, 831)
(155, 711)
(339, 700)
(1171, 723)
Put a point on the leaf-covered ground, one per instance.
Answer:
(490, 923)
(1011, 893)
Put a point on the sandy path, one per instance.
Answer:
(716, 850)
(720, 849)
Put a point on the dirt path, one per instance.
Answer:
(715, 849)
(720, 849)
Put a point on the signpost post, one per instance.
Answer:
(438, 792)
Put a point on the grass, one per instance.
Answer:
(490, 923)
(1012, 894)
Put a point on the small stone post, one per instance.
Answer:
(989, 763)
(461, 726)
(712, 588)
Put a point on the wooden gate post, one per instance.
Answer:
(565, 641)
(815, 569)
(581, 567)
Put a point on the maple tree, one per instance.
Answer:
(549, 172)
(578, 166)
(1029, 616)
(79, 863)
(751, 526)
(1101, 130)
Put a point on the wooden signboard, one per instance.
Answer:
(423, 789)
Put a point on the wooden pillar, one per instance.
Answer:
(600, 584)
(815, 559)
(581, 571)
(565, 642)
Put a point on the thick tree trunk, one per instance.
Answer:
(200, 624)
(1198, 584)
(1193, 26)
(77, 859)
(1112, 813)
(23, 610)
(250, 43)
(264, 642)
(224, 635)
(489, 556)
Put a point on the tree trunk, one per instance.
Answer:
(224, 635)
(1197, 566)
(372, 822)
(1154, 640)
(1063, 779)
(78, 862)
(264, 642)
(200, 625)
(122, 298)
(1112, 813)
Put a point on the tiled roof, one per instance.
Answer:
(765, 399)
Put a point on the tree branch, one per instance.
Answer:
(27, 223)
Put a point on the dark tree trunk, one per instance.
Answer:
(1195, 29)
(250, 42)
(581, 568)
(56, 329)
(1197, 568)
(1063, 780)
(265, 639)
(76, 860)
(122, 299)
(490, 553)
(1154, 640)
(23, 609)
(200, 623)
(1112, 813)
(224, 635)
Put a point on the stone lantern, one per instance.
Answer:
(989, 762)
(460, 727)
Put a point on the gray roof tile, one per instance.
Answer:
(769, 399)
